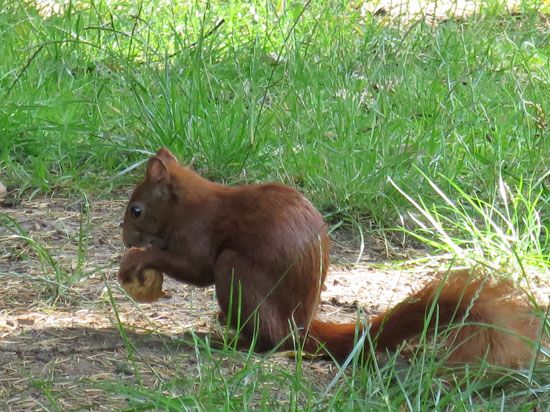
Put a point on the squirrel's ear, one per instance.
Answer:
(167, 157)
(157, 171)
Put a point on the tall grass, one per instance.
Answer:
(506, 233)
(275, 91)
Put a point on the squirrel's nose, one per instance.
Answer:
(120, 224)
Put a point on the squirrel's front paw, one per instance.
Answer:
(131, 265)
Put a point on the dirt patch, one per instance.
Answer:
(58, 343)
(432, 12)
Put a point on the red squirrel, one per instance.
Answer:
(265, 248)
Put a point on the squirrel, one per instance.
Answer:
(265, 247)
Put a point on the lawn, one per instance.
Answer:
(419, 130)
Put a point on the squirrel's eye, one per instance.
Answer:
(135, 211)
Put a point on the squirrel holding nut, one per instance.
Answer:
(266, 249)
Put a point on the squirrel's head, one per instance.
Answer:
(148, 212)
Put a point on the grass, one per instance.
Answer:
(333, 106)
(252, 382)
(442, 128)
(506, 233)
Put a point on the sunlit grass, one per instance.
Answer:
(264, 91)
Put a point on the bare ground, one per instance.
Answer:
(62, 347)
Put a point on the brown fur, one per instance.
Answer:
(489, 321)
(266, 248)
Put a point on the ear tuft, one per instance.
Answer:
(167, 157)
(157, 171)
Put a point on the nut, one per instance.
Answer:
(145, 288)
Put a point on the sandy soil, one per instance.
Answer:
(64, 345)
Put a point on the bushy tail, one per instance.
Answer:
(492, 322)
